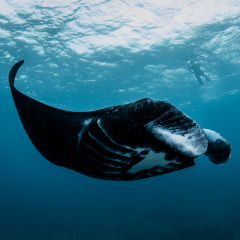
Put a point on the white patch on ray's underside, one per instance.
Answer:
(151, 160)
(185, 141)
(190, 143)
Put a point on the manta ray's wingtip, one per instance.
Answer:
(13, 72)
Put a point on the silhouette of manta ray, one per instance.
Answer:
(132, 141)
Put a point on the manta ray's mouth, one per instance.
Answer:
(219, 149)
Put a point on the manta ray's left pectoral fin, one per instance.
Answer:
(179, 132)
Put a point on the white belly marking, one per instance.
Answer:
(151, 160)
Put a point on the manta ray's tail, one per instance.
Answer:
(219, 149)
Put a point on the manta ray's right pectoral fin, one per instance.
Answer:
(179, 132)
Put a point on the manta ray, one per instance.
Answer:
(127, 142)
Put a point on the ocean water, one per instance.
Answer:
(88, 55)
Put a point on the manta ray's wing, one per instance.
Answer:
(73, 140)
(54, 132)
(178, 131)
(169, 125)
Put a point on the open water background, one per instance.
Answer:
(87, 55)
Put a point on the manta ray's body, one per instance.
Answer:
(127, 142)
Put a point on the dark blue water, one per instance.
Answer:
(81, 57)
